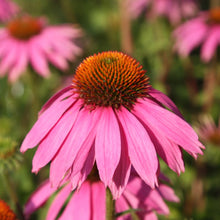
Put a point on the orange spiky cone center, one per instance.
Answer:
(5, 212)
(110, 79)
(25, 27)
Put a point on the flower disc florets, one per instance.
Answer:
(214, 15)
(25, 27)
(5, 212)
(110, 79)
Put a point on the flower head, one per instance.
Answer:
(89, 201)
(27, 39)
(112, 116)
(5, 212)
(208, 131)
(174, 10)
(203, 31)
(7, 9)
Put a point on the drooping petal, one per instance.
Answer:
(46, 121)
(140, 147)
(122, 205)
(107, 145)
(211, 43)
(78, 179)
(164, 100)
(10, 58)
(55, 138)
(79, 206)
(20, 64)
(172, 126)
(122, 172)
(80, 134)
(98, 201)
(54, 98)
(38, 198)
(155, 201)
(167, 193)
(58, 202)
(38, 59)
(168, 151)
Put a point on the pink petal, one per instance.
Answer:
(46, 121)
(10, 58)
(150, 216)
(58, 60)
(4, 45)
(168, 151)
(58, 202)
(52, 142)
(20, 65)
(85, 171)
(122, 172)
(107, 145)
(165, 100)
(211, 43)
(155, 202)
(172, 126)
(80, 135)
(54, 98)
(38, 198)
(38, 58)
(84, 159)
(167, 193)
(79, 206)
(140, 148)
(122, 205)
(98, 201)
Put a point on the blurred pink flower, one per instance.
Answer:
(27, 39)
(208, 131)
(174, 10)
(89, 201)
(203, 30)
(7, 9)
(110, 114)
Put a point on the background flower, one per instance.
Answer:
(26, 39)
(203, 31)
(7, 9)
(174, 10)
(89, 201)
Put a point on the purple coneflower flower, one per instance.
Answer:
(112, 116)
(208, 131)
(174, 10)
(203, 30)
(7, 9)
(27, 39)
(89, 201)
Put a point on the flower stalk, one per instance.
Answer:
(110, 205)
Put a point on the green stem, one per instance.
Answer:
(110, 206)
(11, 191)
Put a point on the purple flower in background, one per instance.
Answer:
(112, 116)
(27, 39)
(7, 9)
(203, 31)
(88, 202)
(208, 131)
(174, 10)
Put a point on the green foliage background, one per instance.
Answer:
(182, 80)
